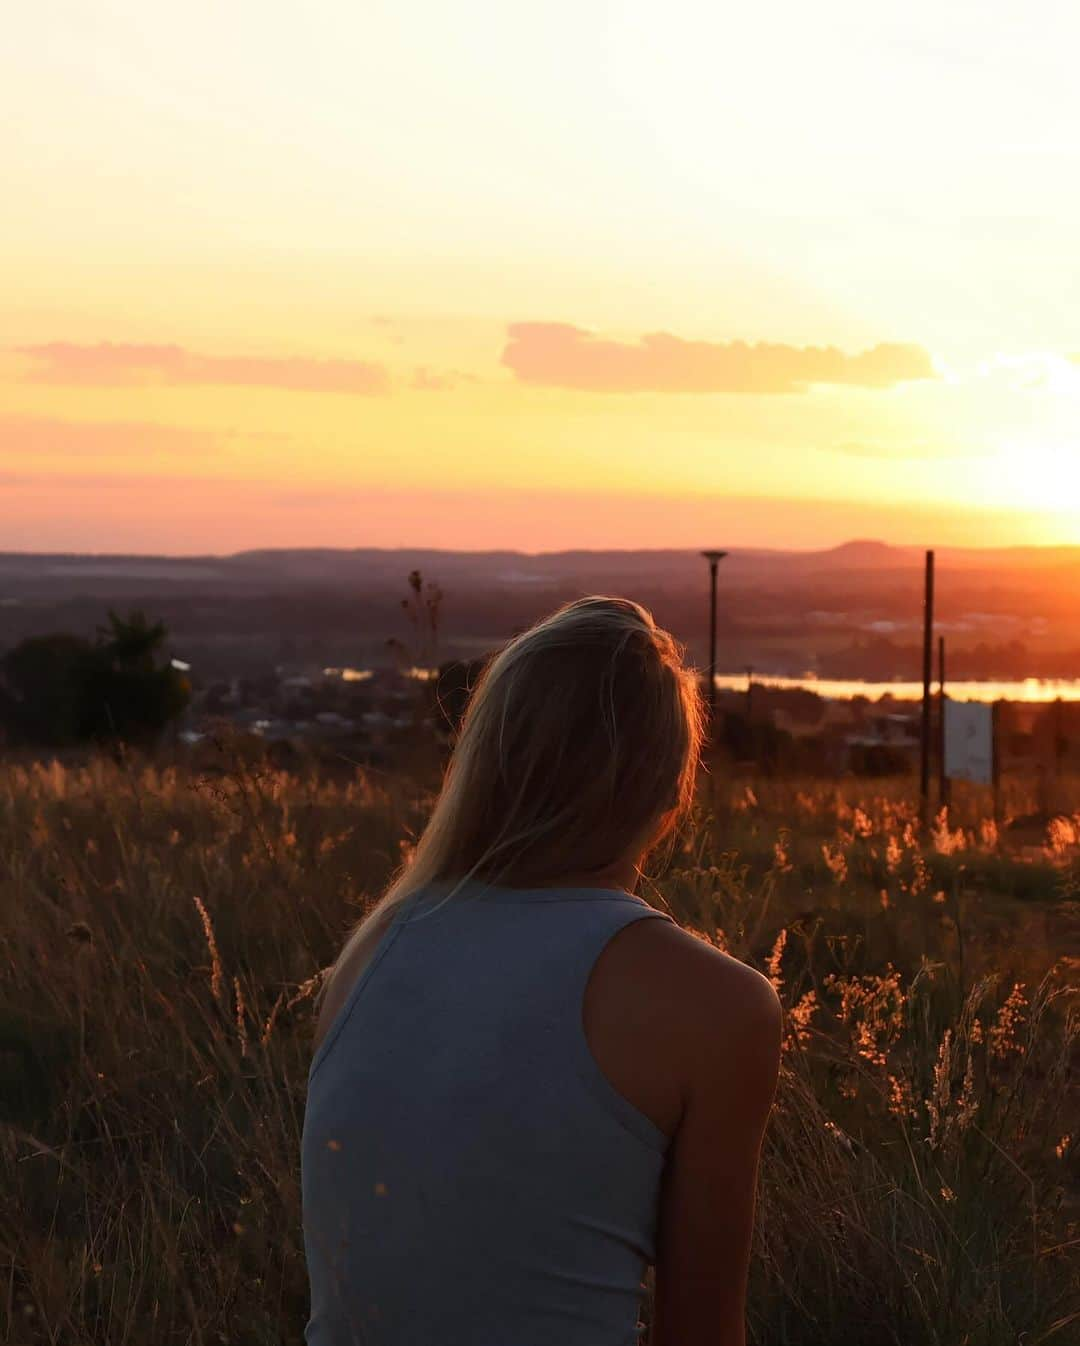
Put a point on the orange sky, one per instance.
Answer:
(591, 275)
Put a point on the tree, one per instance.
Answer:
(129, 695)
(62, 689)
(131, 642)
(43, 679)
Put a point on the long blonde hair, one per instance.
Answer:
(580, 742)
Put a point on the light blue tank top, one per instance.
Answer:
(470, 1176)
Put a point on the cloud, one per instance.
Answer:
(43, 437)
(427, 380)
(110, 364)
(390, 328)
(560, 355)
(901, 452)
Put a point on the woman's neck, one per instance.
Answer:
(622, 875)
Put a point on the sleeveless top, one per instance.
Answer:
(470, 1177)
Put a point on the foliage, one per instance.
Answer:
(422, 608)
(163, 932)
(61, 689)
(43, 678)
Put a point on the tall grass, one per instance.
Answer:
(162, 935)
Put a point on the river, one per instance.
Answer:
(843, 689)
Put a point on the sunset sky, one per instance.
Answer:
(571, 274)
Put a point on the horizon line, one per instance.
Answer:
(732, 551)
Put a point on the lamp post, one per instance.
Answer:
(714, 558)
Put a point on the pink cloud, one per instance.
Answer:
(111, 364)
(563, 356)
(427, 380)
(29, 437)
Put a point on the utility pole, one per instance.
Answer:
(928, 672)
(943, 779)
(995, 749)
(714, 558)
(1060, 742)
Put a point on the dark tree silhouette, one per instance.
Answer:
(129, 694)
(62, 689)
(43, 680)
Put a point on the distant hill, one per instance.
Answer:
(335, 567)
(849, 608)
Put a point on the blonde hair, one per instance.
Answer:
(580, 743)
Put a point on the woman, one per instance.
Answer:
(528, 1084)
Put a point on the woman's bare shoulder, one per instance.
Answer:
(686, 975)
(668, 1016)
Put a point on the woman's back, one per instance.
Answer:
(470, 1176)
(485, 1157)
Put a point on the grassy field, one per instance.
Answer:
(162, 934)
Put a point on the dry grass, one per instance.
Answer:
(161, 938)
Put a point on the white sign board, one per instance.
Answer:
(969, 741)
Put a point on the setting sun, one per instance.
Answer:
(1042, 477)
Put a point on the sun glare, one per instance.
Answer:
(1042, 477)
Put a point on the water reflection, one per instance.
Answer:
(838, 689)
(843, 689)
(349, 674)
(363, 674)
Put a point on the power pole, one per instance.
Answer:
(928, 671)
(1060, 743)
(714, 558)
(943, 779)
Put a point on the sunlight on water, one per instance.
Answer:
(842, 689)
(416, 673)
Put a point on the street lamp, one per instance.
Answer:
(714, 558)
